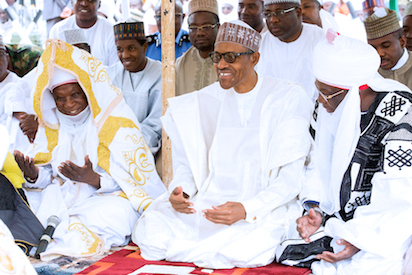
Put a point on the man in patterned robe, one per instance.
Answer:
(89, 160)
(359, 176)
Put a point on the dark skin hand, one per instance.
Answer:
(308, 224)
(84, 174)
(28, 124)
(346, 253)
(227, 213)
(180, 201)
(27, 165)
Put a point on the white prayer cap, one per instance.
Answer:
(344, 62)
(270, 2)
(75, 36)
(61, 77)
(4, 144)
(239, 32)
(408, 9)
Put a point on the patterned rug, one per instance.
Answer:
(129, 261)
(65, 265)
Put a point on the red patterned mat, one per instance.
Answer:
(129, 261)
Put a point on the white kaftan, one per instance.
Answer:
(100, 38)
(218, 156)
(143, 93)
(292, 61)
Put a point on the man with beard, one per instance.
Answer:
(386, 35)
(96, 29)
(194, 69)
(287, 48)
(250, 12)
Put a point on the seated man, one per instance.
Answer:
(360, 173)
(239, 147)
(386, 35)
(140, 80)
(89, 157)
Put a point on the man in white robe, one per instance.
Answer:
(239, 147)
(96, 28)
(360, 173)
(287, 48)
(89, 159)
(140, 80)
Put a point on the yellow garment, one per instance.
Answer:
(12, 171)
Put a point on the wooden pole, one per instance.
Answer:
(168, 80)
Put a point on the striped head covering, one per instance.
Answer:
(203, 5)
(134, 30)
(270, 2)
(75, 36)
(240, 33)
(382, 22)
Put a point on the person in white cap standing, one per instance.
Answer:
(239, 147)
(287, 48)
(360, 172)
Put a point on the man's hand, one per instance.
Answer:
(346, 253)
(28, 125)
(84, 174)
(180, 202)
(227, 213)
(308, 224)
(27, 165)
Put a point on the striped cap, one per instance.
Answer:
(270, 2)
(382, 22)
(124, 31)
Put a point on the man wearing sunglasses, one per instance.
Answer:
(287, 49)
(360, 172)
(194, 69)
(239, 147)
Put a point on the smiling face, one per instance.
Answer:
(132, 54)
(86, 12)
(390, 49)
(70, 99)
(240, 74)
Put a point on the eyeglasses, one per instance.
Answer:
(278, 13)
(229, 57)
(203, 28)
(328, 97)
(158, 17)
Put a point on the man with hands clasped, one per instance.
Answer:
(239, 147)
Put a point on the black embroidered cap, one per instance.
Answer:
(134, 30)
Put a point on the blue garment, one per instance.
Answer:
(154, 50)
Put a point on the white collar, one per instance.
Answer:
(402, 61)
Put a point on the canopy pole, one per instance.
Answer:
(168, 81)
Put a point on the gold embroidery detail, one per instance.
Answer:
(87, 236)
(93, 65)
(52, 138)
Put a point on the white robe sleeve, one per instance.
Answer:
(44, 178)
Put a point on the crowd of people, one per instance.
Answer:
(291, 141)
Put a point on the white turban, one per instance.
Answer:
(345, 63)
(61, 77)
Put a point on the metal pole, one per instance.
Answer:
(168, 80)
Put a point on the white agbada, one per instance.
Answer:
(143, 93)
(100, 37)
(292, 61)
(225, 152)
(92, 220)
